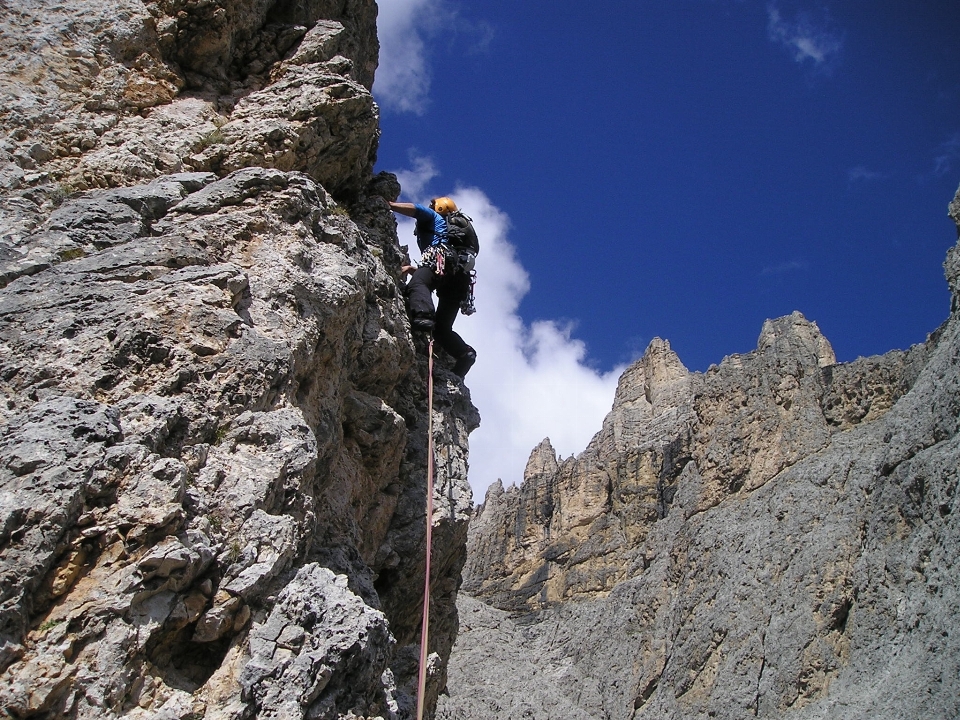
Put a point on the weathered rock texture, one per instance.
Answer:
(776, 537)
(213, 428)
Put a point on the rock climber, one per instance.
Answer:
(439, 270)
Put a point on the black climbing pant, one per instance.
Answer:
(452, 289)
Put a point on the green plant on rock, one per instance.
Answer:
(50, 624)
(234, 554)
(214, 137)
(60, 193)
(72, 254)
(221, 434)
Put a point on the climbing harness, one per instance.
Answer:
(435, 256)
(442, 259)
(425, 628)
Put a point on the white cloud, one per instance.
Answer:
(403, 75)
(862, 174)
(530, 381)
(783, 268)
(407, 29)
(803, 38)
(415, 181)
(949, 155)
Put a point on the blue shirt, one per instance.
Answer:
(431, 227)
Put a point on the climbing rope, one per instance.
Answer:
(425, 628)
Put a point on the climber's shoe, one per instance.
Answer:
(424, 324)
(465, 362)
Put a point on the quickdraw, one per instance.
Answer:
(467, 307)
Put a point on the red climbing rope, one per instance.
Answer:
(425, 628)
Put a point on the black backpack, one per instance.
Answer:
(460, 232)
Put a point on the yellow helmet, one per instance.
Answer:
(443, 205)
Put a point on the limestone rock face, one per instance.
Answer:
(776, 537)
(571, 530)
(108, 95)
(214, 422)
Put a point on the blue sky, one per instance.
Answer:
(679, 169)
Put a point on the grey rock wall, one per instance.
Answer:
(776, 538)
(108, 95)
(213, 420)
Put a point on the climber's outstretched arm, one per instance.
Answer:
(407, 209)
